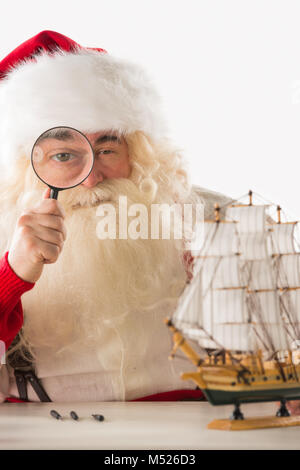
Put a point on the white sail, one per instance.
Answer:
(291, 300)
(259, 274)
(188, 311)
(288, 270)
(234, 337)
(251, 219)
(188, 316)
(261, 335)
(253, 246)
(207, 321)
(229, 306)
(204, 341)
(290, 308)
(229, 318)
(264, 309)
(282, 237)
(220, 239)
(251, 227)
(221, 272)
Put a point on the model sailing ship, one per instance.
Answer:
(242, 309)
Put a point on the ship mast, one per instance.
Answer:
(278, 214)
(250, 197)
(217, 212)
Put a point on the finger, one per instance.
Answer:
(46, 194)
(39, 251)
(49, 206)
(46, 252)
(49, 235)
(54, 222)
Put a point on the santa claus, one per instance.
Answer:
(89, 325)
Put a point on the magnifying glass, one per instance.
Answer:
(62, 158)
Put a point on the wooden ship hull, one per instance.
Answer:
(252, 380)
(226, 393)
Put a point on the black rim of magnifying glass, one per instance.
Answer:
(54, 190)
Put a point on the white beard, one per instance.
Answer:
(96, 283)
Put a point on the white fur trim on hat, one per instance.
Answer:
(88, 90)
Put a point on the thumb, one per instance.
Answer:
(46, 194)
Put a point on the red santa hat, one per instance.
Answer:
(50, 80)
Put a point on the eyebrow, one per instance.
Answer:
(57, 134)
(107, 138)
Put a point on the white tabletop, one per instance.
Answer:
(140, 425)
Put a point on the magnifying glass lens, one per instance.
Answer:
(62, 157)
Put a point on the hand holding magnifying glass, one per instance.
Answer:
(62, 158)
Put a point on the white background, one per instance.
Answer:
(228, 71)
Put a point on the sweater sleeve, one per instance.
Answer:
(11, 311)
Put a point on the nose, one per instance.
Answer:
(93, 179)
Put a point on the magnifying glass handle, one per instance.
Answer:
(53, 193)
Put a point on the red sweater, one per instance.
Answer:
(11, 321)
(11, 312)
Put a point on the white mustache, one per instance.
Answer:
(111, 190)
(81, 197)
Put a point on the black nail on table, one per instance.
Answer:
(55, 414)
(74, 415)
(98, 417)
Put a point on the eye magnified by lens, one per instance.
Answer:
(62, 157)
